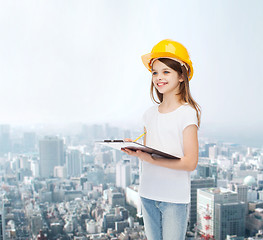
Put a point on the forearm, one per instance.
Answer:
(184, 163)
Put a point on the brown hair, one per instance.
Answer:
(184, 90)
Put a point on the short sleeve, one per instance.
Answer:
(189, 118)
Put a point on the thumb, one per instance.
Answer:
(127, 139)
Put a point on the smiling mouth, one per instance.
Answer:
(161, 84)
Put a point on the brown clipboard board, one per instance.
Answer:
(120, 144)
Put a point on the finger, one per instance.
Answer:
(127, 151)
(124, 150)
(127, 139)
(132, 153)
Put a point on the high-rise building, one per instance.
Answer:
(242, 191)
(29, 141)
(229, 219)
(2, 220)
(260, 178)
(51, 152)
(197, 184)
(207, 171)
(5, 145)
(74, 163)
(60, 172)
(213, 152)
(35, 168)
(24, 162)
(123, 174)
(36, 223)
(206, 149)
(225, 212)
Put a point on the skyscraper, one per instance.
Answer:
(242, 191)
(213, 152)
(225, 212)
(229, 219)
(29, 141)
(196, 184)
(5, 145)
(2, 220)
(35, 168)
(51, 152)
(74, 163)
(207, 170)
(123, 174)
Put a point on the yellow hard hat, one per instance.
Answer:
(169, 49)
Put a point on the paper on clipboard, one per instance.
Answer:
(119, 144)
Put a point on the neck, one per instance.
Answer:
(170, 100)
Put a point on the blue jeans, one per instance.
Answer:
(164, 220)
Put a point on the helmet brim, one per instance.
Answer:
(146, 59)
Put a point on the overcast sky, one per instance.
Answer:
(80, 61)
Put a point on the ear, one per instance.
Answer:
(181, 79)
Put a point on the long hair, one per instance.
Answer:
(184, 90)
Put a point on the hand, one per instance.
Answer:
(127, 140)
(139, 154)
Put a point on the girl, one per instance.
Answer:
(171, 126)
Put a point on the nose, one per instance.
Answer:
(160, 77)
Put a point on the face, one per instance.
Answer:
(165, 79)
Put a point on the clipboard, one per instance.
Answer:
(120, 144)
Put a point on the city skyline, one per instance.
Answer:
(85, 189)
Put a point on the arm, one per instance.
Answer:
(187, 163)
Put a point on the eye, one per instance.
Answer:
(166, 72)
(154, 73)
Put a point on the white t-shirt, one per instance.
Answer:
(165, 133)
